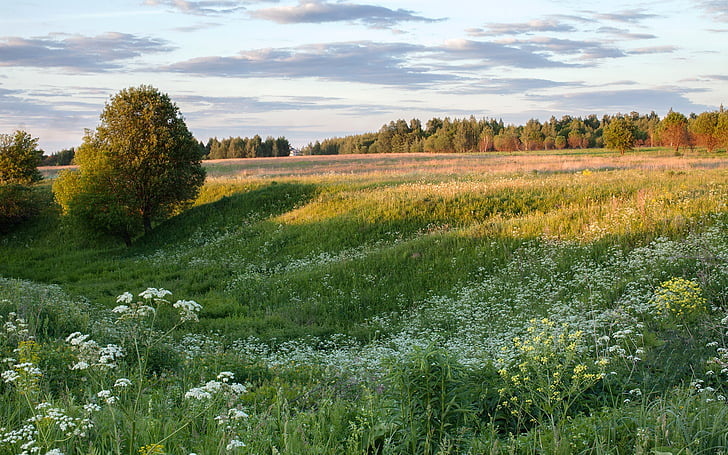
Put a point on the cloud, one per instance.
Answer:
(631, 16)
(654, 50)
(640, 100)
(625, 34)
(511, 86)
(486, 54)
(715, 9)
(201, 7)
(585, 50)
(77, 52)
(317, 12)
(366, 62)
(405, 65)
(549, 25)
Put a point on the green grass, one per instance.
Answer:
(293, 256)
(371, 303)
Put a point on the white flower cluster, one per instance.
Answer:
(107, 397)
(15, 326)
(188, 310)
(234, 444)
(90, 354)
(127, 308)
(213, 388)
(20, 370)
(47, 415)
(231, 418)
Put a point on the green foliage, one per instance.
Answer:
(19, 159)
(17, 203)
(141, 165)
(433, 401)
(674, 130)
(322, 290)
(619, 134)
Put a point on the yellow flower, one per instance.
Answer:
(152, 449)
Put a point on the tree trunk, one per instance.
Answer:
(147, 224)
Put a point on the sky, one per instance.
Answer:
(314, 69)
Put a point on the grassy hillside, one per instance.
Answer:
(335, 278)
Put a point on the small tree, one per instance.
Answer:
(139, 166)
(674, 130)
(19, 159)
(619, 134)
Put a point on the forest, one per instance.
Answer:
(708, 129)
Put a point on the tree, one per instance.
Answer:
(619, 134)
(139, 166)
(705, 130)
(674, 130)
(19, 159)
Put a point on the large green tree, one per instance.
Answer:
(619, 134)
(139, 166)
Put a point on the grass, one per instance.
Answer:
(329, 283)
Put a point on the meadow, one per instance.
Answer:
(564, 302)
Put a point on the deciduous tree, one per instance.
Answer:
(619, 134)
(139, 166)
(19, 159)
(674, 130)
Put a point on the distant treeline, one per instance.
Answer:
(473, 135)
(237, 147)
(446, 135)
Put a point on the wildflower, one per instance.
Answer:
(107, 396)
(121, 309)
(225, 376)
(234, 444)
(54, 452)
(154, 293)
(10, 376)
(151, 449)
(91, 407)
(126, 297)
(189, 309)
(122, 382)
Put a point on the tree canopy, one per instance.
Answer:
(19, 159)
(619, 134)
(139, 166)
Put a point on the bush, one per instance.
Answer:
(17, 204)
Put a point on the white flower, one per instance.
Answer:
(154, 293)
(236, 414)
(76, 338)
(10, 376)
(238, 388)
(81, 365)
(198, 393)
(122, 382)
(54, 452)
(121, 309)
(91, 407)
(189, 309)
(145, 310)
(234, 444)
(126, 297)
(225, 376)
(104, 394)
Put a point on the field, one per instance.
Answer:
(571, 302)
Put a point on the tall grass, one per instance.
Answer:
(373, 309)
